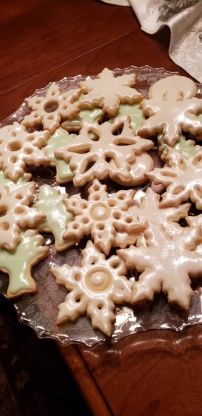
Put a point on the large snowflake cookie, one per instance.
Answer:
(103, 216)
(107, 91)
(50, 110)
(100, 151)
(182, 176)
(95, 288)
(16, 213)
(18, 265)
(171, 109)
(19, 149)
(166, 263)
(56, 217)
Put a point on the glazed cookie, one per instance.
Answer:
(18, 265)
(50, 110)
(19, 149)
(16, 214)
(166, 263)
(186, 147)
(171, 109)
(107, 91)
(105, 217)
(182, 176)
(90, 116)
(51, 205)
(13, 185)
(133, 112)
(95, 288)
(100, 151)
(57, 140)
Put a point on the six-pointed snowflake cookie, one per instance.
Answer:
(16, 213)
(107, 91)
(19, 149)
(171, 109)
(167, 263)
(182, 176)
(56, 217)
(50, 110)
(95, 288)
(103, 216)
(100, 151)
(19, 264)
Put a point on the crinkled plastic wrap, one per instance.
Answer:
(40, 310)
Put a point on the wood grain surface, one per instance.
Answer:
(43, 41)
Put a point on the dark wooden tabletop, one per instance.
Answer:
(43, 41)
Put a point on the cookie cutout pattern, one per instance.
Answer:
(107, 91)
(166, 264)
(50, 110)
(172, 109)
(95, 288)
(182, 178)
(19, 149)
(90, 116)
(134, 113)
(19, 264)
(57, 140)
(99, 152)
(105, 217)
(16, 214)
(51, 205)
(13, 185)
(186, 147)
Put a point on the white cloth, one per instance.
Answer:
(184, 18)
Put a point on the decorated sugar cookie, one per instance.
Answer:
(171, 109)
(16, 213)
(18, 265)
(51, 205)
(90, 116)
(57, 140)
(134, 113)
(19, 149)
(107, 91)
(13, 185)
(181, 176)
(187, 147)
(50, 110)
(167, 263)
(103, 216)
(95, 288)
(99, 152)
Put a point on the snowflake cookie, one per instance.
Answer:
(95, 288)
(50, 110)
(171, 109)
(16, 213)
(19, 149)
(51, 205)
(166, 263)
(182, 176)
(18, 265)
(107, 91)
(103, 216)
(100, 151)
(90, 116)
(58, 139)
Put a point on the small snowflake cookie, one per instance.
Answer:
(167, 262)
(18, 265)
(181, 176)
(50, 110)
(95, 288)
(171, 109)
(100, 151)
(107, 91)
(103, 216)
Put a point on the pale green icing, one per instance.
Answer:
(84, 115)
(10, 184)
(134, 112)
(59, 139)
(50, 202)
(18, 264)
(187, 147)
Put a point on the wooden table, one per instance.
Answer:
(45, 40)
